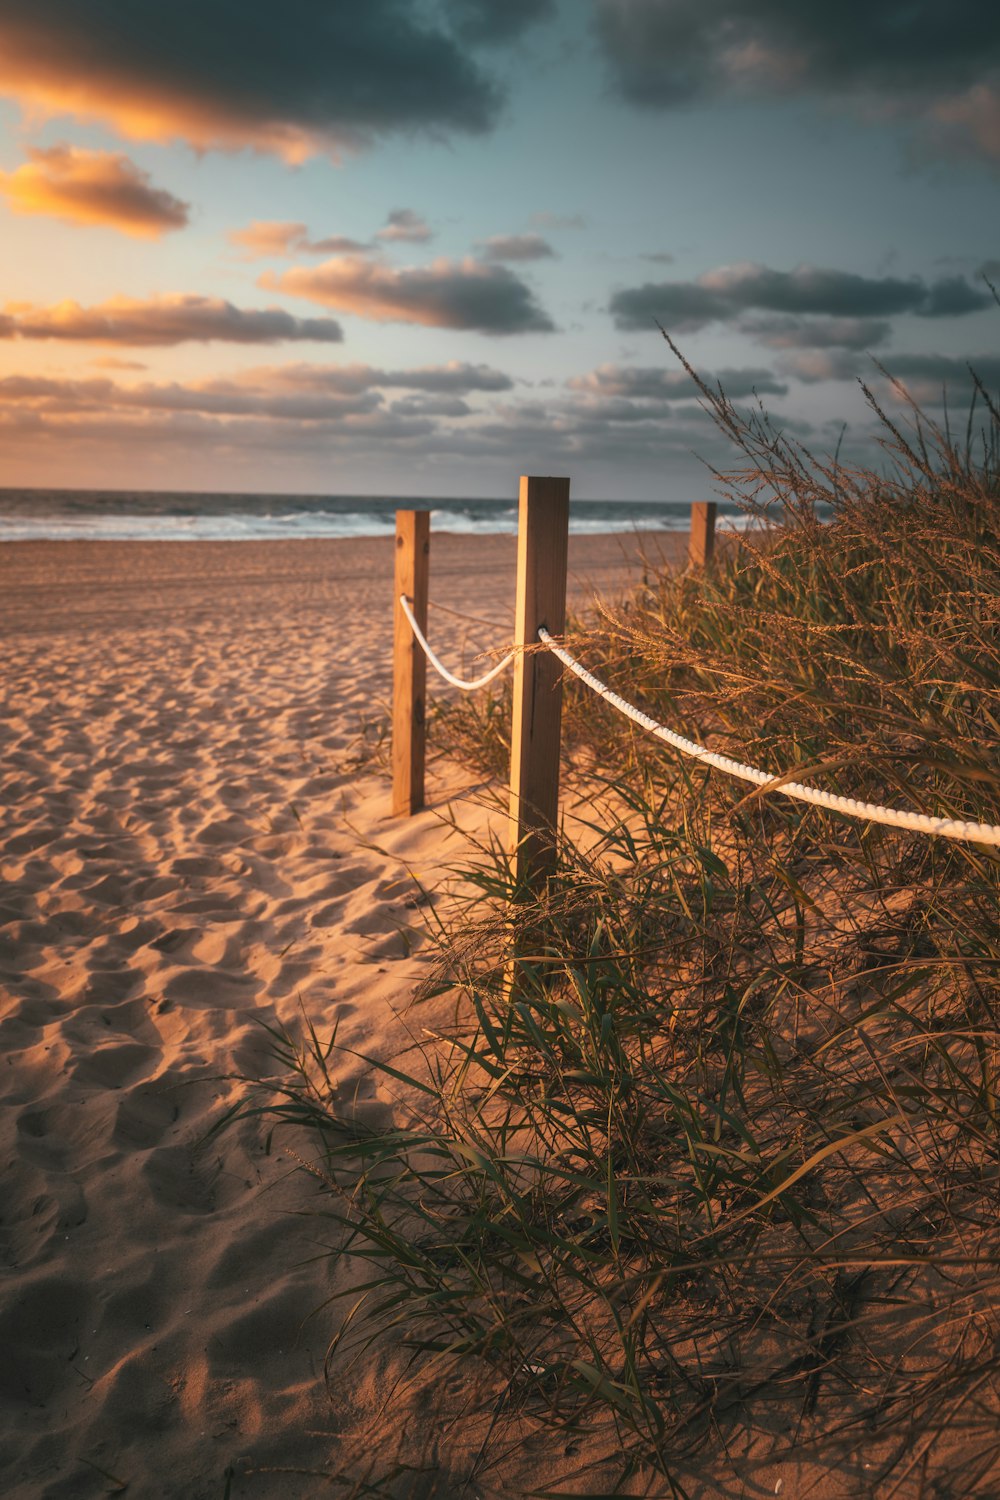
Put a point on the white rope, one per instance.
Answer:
(870, 812)
(439, 666)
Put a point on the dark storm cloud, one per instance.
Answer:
(297, 79)
(164, 321)
(446, 294)
(724, 294)
(655, 384)
(515, 247)
(911, 57)
(492, 21)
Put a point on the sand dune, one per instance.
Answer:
(187, 850)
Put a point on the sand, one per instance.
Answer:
(187, 849)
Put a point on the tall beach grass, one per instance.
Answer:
(717, 1189)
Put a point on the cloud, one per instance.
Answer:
(453, 379)
(280, 428)
(813, 365)
(431, 406)
(781, 331)
(951, 297)
(446, 294)
(279, 238)
(268, 237)
(933, 379)
(723, 294)
(112, 362)
(930, 379)
(162, 321)
(912, 58)
(516, 247)
(334, 244)
(220, 398)
(101, 188)
(494, 21)
(547, 220)
(405, 225)
(656, 384)
(310, 78)
(283, 393)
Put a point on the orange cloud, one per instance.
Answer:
(282, 237)
(319, 78)
(268, 237)
(446, 294)
(163, 321)
(95, 188)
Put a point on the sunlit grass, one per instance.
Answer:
(721, 1181)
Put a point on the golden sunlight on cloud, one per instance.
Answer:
(314, 79)
(279, 238)
(142, 111)
(464, 294)
(163, 321)
(270, 237)
(95, 188)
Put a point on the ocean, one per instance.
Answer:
(120, 515)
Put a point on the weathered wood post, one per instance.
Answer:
(702, 541)
(542, 552)
(409, 665)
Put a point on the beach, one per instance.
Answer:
(195, 841)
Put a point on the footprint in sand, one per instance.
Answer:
(43, 1205)
(206, 989)
(40, 1335)
(145, 1115)
(182, 1181)
(114, 1065)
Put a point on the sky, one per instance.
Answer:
(420, 247)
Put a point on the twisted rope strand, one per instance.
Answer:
(465, 685)
(869, 812)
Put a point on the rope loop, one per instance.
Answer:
(465, 685)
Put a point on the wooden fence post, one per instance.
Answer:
(702, 542)
(542, 546)
(409, 665)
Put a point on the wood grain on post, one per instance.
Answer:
(542, 546)
(409, 665)
(702, 543)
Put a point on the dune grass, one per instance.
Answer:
(721, 1182)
